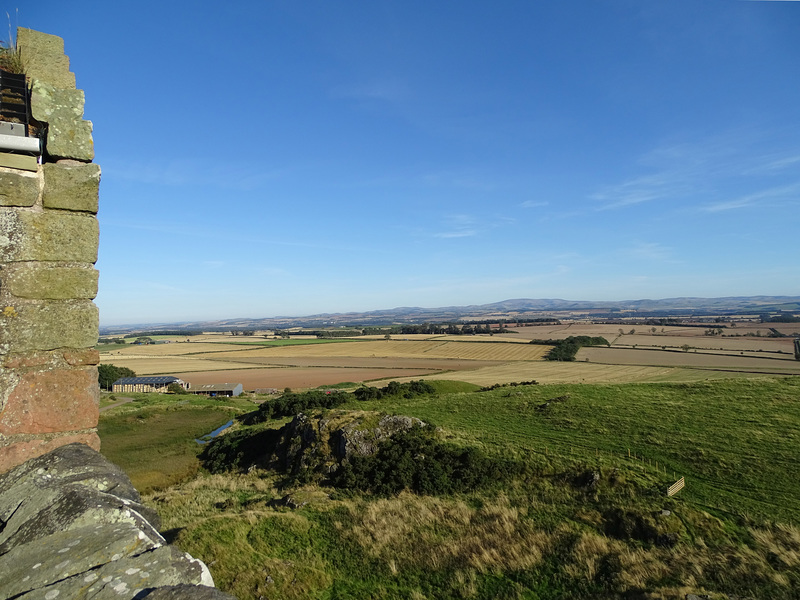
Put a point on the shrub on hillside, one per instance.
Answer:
(394, 389)
(291, 403)
(238, 450)
(415, 460)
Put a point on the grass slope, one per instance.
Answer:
(551, 533)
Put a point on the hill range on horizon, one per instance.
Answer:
(512, 308)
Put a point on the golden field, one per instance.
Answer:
(670, 353)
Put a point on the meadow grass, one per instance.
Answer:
(546, 534)
(153, 437)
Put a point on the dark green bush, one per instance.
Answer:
(394, 389)
(238, 450)
(415, 460)
(291, 403)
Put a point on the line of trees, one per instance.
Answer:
(567, 349)
(108, 374)
(187, 332)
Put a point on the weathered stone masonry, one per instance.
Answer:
(71, 523)
(48, 247)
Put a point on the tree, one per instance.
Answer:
(108, 374)
(175, 388)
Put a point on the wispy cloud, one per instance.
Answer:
(458, 226)
(773, 197)
(533, 204)
(387, 90)
(706, 169)
(643, 189)
(466, 179)
(649, 251)
(191, 173)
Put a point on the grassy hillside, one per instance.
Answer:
(583, 516)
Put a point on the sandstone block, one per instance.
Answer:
(16, 450)
(71, 187)
(43, 57)
(29, 360)
(49, 103)
(47, 236)
(82, 357)
(47, 282)
(51, 401)
(18, 189)
(50, 325)
(68, 135)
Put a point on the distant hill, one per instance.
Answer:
(508, 309)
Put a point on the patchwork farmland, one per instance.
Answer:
(634, 353)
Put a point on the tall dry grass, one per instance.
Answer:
(411, 531)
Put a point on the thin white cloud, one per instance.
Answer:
(190, 173)
(458, 226)
(649, 251)
(680, 172)
(533, 204)
(771, 197)
(387, 90)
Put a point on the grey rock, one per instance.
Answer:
(69, 488)
(309, 443)
(128, 577)
(188, 592)
(72, 526)
(355, 441)
(65, 554)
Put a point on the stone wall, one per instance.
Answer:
(48, 247)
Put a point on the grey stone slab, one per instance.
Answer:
(46, 561)
(129, 577)
(57, 492)
(188, 592)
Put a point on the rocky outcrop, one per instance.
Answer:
(322, 443)
(72, 526)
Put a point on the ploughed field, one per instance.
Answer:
(635, 353)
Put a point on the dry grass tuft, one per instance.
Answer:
(779, 544)
(423, 532)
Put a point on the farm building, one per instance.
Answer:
(146, 384)
(217, 389)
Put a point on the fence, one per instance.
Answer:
(676, 487)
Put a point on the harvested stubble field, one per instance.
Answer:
(581, 372)
(173, 349)
(299, 377)
(718, 343)
(696, 360)
(483, 360)
(433, 349)
(166, 365)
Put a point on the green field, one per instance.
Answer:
(543, 533)
(152, 438)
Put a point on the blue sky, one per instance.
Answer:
(288, 158)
